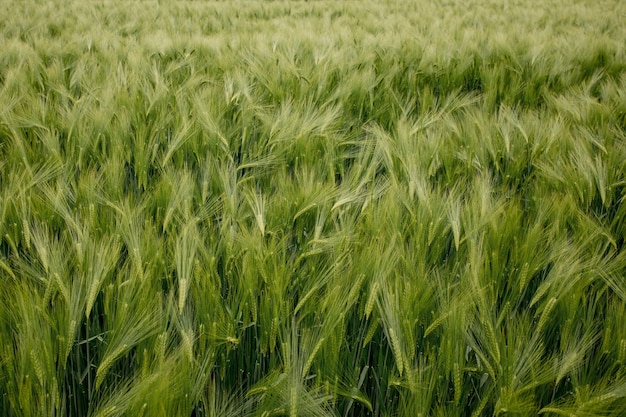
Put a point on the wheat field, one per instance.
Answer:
(313, 208)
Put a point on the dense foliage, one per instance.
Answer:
(387, 208)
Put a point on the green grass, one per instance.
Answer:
(317, 208)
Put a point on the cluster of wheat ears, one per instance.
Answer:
(323, 208)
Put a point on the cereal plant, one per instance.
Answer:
(289, 208)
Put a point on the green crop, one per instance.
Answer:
(324, 208)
